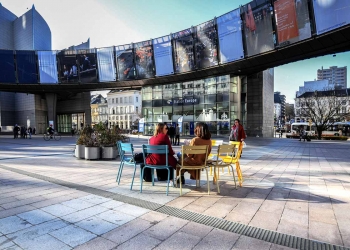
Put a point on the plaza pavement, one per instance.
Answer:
(50, 200)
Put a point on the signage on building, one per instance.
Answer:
(186, 101)
(141, 125)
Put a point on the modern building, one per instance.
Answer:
(317, 85)
(217, 101)
(280, 108)
(31, 32)
(124, 108)
(326, 100)
(27, 32)
(337, 76)
(99, 110)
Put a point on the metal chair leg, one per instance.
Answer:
(180, 183)
(167, 188)
(142, 172)
(206, 170)
(234, 177)
(133, 177)
(120, 172)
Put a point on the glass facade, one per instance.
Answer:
(213, 100)
(65, 122)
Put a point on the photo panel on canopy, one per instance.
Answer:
(163, 56)
(292, 21)
(125, 62)
(26, 66)
(257, 26)
(68, 66)
(206, 45)
(183, 51)
(87, 65)
(144, 59)
(230, 36)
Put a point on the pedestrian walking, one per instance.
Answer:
(177, 135)
(30, 131)
(237, 132)
(172, 134)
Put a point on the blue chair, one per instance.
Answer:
(126, 152)
(158, 149)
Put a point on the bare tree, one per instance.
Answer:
(324, 108)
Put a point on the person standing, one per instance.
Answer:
(172, 134)
(237, 132)
(30, 132)
(34, 131)
(15, 132)
(177, 135)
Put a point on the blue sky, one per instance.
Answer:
(117, 22)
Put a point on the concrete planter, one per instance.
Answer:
(92, 153)
(80, 151)
(109, 152)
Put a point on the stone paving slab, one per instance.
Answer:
(290, 187)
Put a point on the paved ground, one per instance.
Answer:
(291, 187)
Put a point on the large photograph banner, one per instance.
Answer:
(87, 65)
(7, 67)
(163, 56)
(258, 31)
(26, 66)
(183, 51)
(230, 36)
(125, 62)
(331, 14)
(47, 66)
(144, 59)
(206, 45)
(106, 67)
(68, 63)
(292, 21)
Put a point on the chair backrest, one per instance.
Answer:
(239, 146)
(229, 150)
(217, 142)
(126, 148)
(194, 150)
(155, 149)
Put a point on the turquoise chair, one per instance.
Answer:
(126, 153)
(158, 149)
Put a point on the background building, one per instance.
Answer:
(99, 110)
(342, 98)
(124, 108)
(31, 32)
(27, 32)
(336, 76)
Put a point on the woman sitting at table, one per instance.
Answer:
(160, 137)
(202, 138)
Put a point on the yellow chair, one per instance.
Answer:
(224, 151)
(216, 143)
(235, 159)
(194, 150)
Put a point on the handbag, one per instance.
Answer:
(138, 157)
(244, 144)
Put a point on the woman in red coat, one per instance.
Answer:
(160, 138)
(237, 132)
